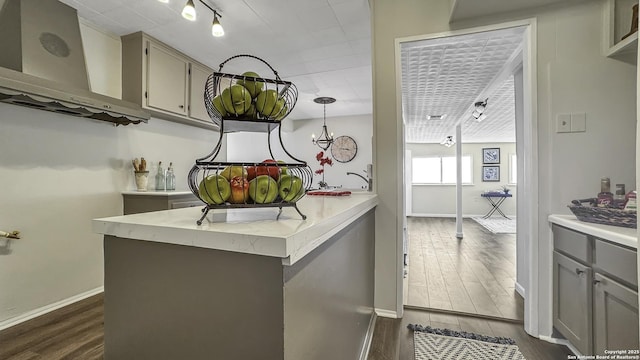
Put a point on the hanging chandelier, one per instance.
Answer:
(325, 139)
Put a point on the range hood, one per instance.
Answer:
(42, 64)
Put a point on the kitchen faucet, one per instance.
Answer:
(369, 181)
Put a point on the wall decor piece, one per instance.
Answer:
(491, 155)
(344, 149)
(491, 173)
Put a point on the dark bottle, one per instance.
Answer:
(605, 197)
(619, 199)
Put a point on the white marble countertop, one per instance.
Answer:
(158, 193)
(252, 231)
(620, 235)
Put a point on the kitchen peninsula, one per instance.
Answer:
(243, 285)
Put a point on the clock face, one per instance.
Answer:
(344, 149)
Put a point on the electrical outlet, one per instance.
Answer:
(563, 123)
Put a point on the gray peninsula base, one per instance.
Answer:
(167, 301)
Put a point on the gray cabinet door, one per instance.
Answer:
(615, 315)
(197, 109)
(167, 75)
(572, 301)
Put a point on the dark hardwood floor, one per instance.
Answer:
(73, 332)
(392, 340)
(76, 332)
(474, 275)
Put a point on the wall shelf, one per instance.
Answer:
(617, 23)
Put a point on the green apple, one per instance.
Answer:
(269, 104)
(254, 87)
(282, 113)
(214, 189)
(251, 113)
(232, 171)
(217, 103)
(263, 189)
(236, 99)
(290, 188)
(283, 169)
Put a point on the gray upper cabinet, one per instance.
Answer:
(167, 79)
(572, 301)
(164, 81)
(615, 315)
(199, 76)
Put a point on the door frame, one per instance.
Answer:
(527, 206)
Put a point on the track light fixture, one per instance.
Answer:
(480, 107)
(216, 28)
(448, 141)
(189, 13)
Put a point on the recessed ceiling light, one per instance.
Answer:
(436, 117)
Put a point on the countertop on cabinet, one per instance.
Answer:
(619, 235)
(158, 193)
(252, 231)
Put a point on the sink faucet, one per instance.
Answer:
(369, 181)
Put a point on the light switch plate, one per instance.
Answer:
(563, 123)
(579, 122)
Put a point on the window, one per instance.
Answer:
(513, 169)
(440, 170)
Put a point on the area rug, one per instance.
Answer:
(432, 343)
(497, 225)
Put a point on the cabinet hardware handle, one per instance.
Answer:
(181, 106)
(579, 272)
(596, 282)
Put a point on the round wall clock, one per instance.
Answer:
(344, 149)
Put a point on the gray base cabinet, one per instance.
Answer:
(572, 301)
(595, 292)
(615, 315)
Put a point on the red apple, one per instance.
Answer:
(239, 190)
(273, 171)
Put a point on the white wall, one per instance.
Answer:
(439, 200)
(57, 173)
(572, 76)
(253, 147)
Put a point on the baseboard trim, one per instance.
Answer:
(48, 308)
(387, 313)
(564, 342)
(366, 346)
(520, 289)
(440, 215)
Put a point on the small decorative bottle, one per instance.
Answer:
(605, 197)
(170, 180)
(160, 177)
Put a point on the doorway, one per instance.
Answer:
(519, 58)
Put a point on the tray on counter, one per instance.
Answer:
(603, 215)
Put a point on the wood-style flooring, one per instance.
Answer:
(76, 332)
(392, 340)
(73, 332)
(473, 275)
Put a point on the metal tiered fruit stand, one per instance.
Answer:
(291, 178)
